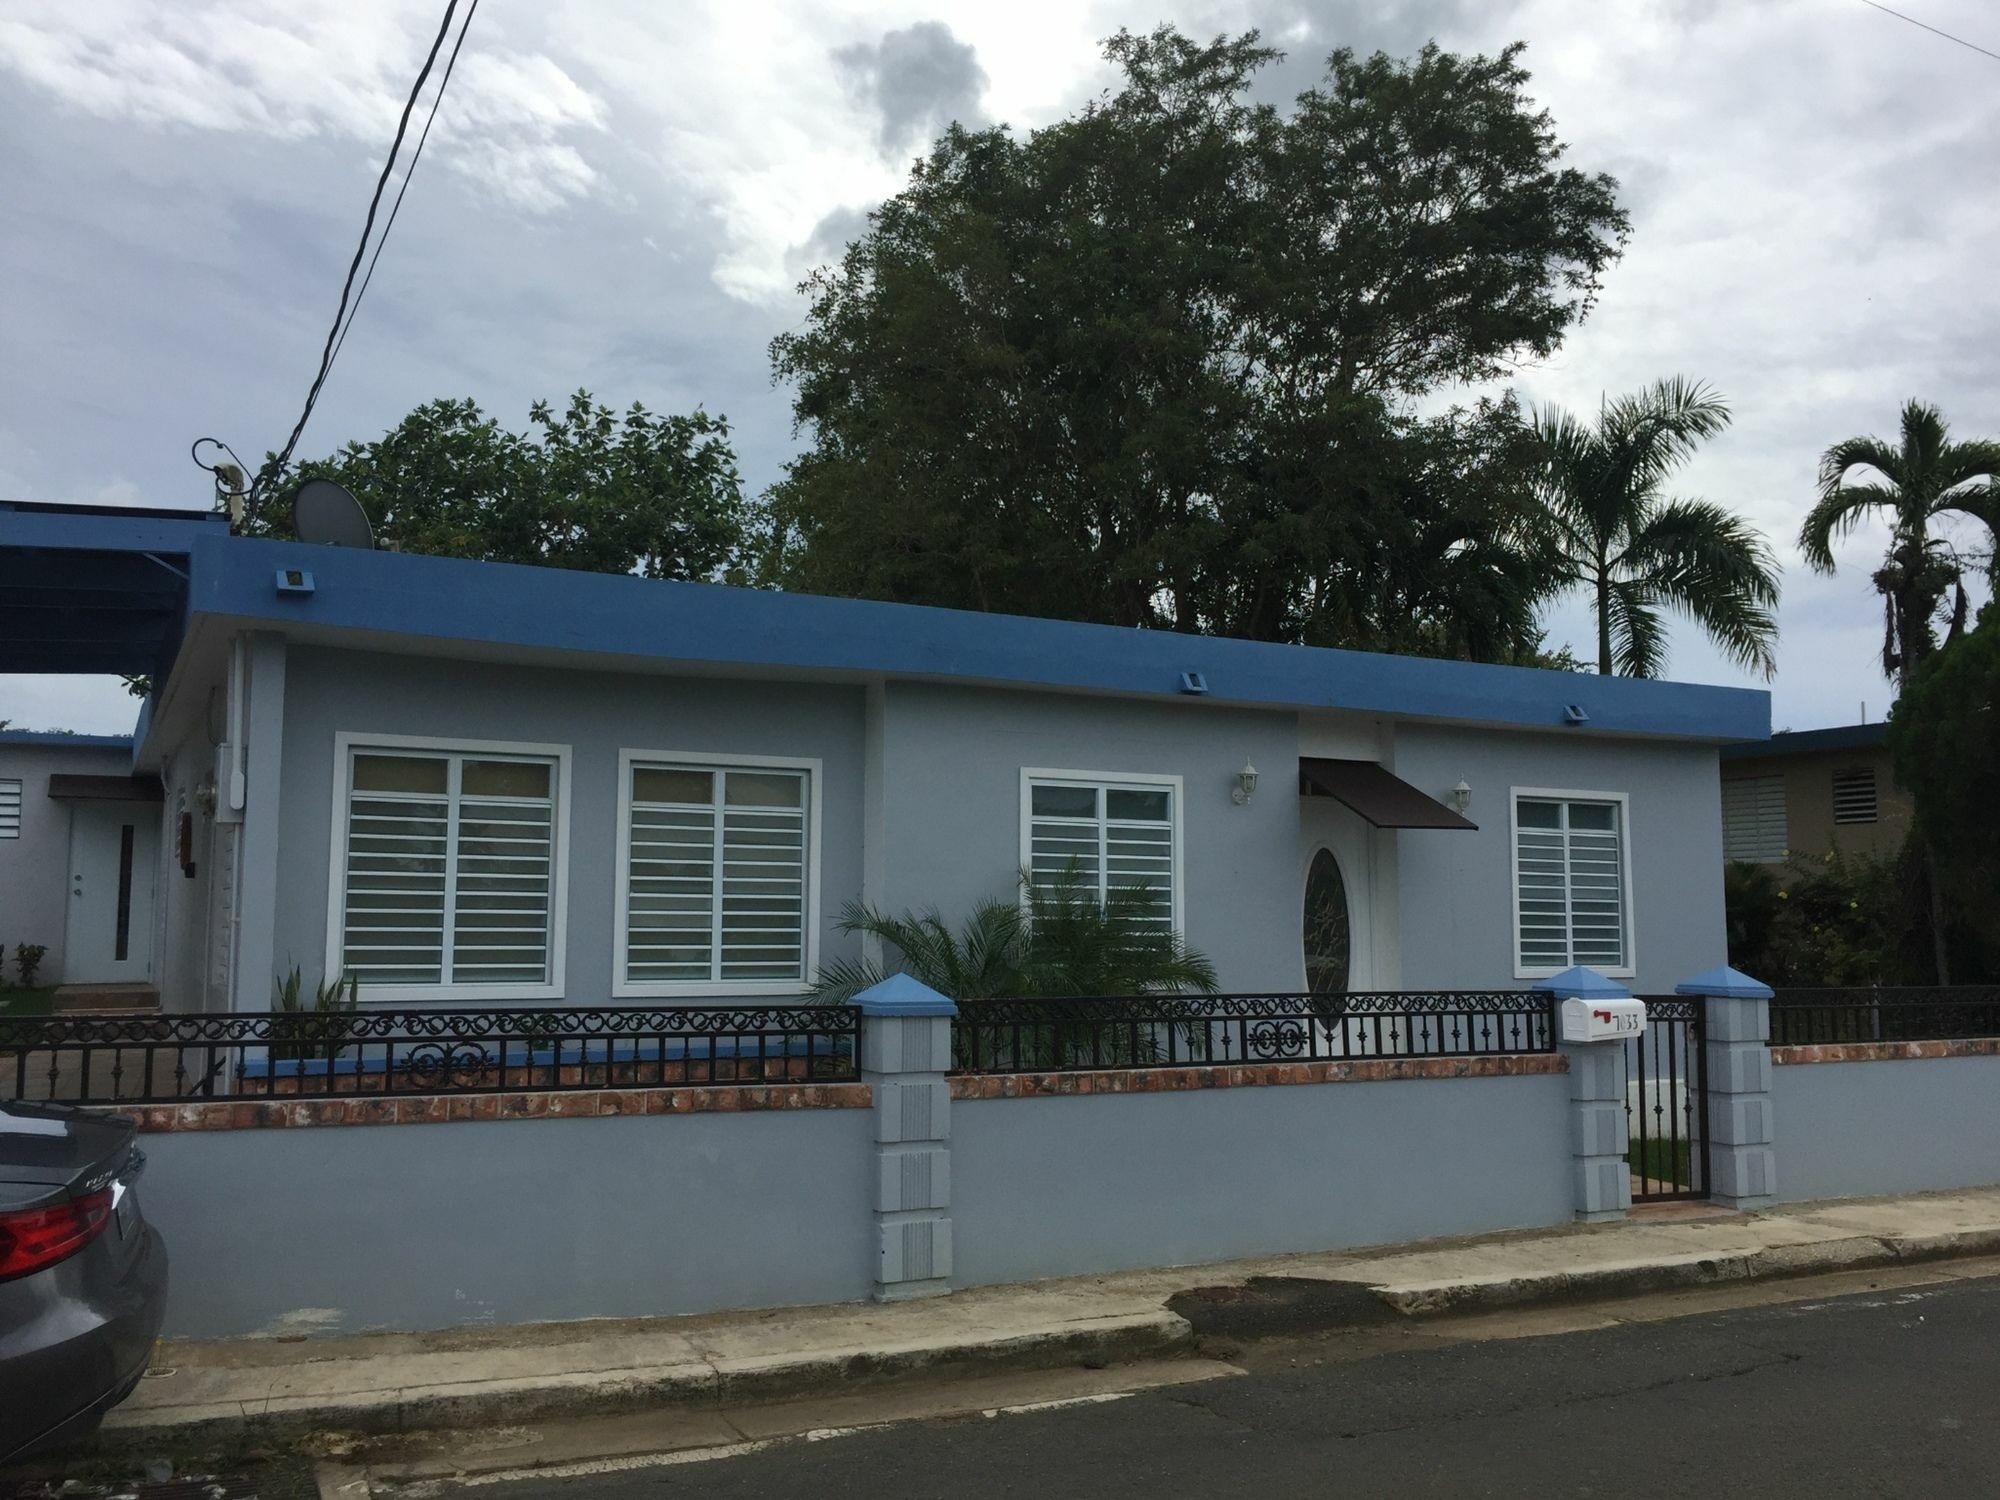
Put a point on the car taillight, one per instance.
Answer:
(35, 1238)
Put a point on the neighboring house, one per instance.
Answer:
(79, 855)
(1811, 792)
(468, 782)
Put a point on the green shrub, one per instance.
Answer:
(311, 1029)
(1059, 941)
(29, 957)
(1830, 920)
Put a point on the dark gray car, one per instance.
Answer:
(83, 1276)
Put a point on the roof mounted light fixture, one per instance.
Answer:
(1573, 714)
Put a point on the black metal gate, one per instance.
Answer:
(1666, 1103)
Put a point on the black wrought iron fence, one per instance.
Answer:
(166, 1059)
(1907, 1014)
(1664, 1068)
(1170, 1031)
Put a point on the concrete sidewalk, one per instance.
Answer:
(400, 1382)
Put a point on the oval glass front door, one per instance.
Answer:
(1328, 949)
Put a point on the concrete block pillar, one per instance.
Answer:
(1736, 1044)
(905, 1054)
(1599, 1174)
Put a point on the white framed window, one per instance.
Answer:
(1116, 829)
(718, 875)
(1854, 796)
(1572, 882)
(450, 868)
(10, 808)
(1754, 825)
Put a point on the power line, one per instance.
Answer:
(1932, 29)
(354, 266)
(389, 226)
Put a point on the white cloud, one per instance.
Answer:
(294, 72)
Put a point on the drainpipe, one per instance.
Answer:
(229, 772)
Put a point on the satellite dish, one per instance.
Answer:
(325, 513)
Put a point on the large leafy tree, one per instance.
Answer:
(1945, 735)
(583, 488)
(1912, 484)
(1154, 364)
(1637, 551)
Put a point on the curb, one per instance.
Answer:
(739, 1381)
(1858, 1253)
(1122, 1339)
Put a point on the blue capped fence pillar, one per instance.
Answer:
(905, 1054)
(1736, 1037)
(1597, 1124)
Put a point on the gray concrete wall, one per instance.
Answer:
(1067, 1186)
(952, 763)
(1852, 1130)
(340, 1229)
(1455, 889)
(186, 908)
(34, 869)
(597, 715)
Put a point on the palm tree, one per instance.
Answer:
(1924, 478)
(1061, 942)
(1917, 483)
(1611, 531)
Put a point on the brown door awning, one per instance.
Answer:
(1379, 795)
(105, 789)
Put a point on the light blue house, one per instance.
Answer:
(466, 782)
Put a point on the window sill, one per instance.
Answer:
(790, 989)
(447, 994)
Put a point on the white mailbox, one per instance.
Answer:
(1602, 1020)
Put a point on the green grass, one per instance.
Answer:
(16, 1001)
(1662, 1161)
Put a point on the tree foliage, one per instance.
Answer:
(1154, 364)
(1921, 479)
(1945, 735)
(1634, 549)
(1832, 919)
(583, 488)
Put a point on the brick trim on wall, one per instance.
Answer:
(1252, 1075)
(1841, 1052)
(443, 1109)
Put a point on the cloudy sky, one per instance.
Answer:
(622, 195)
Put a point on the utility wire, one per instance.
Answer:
(389, 227)
(354, 266)
(1931, 29)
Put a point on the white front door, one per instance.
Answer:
(1337, 881)
(113, 852)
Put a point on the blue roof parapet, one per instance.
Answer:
(900, 995)
(447, 600)
(1580, 983)
(1725, 983)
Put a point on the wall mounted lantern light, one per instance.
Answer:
(1246, 783)
(1461, 798)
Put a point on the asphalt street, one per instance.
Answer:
(1890, 1393)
